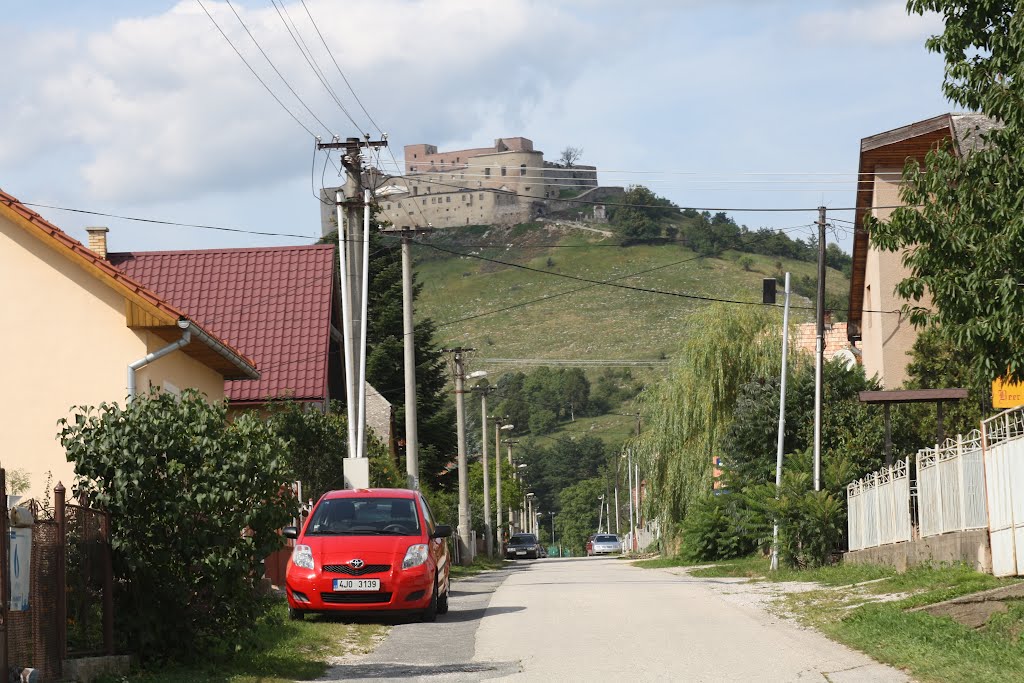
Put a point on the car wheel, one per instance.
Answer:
(442, 604)
(430, 613)
(296, 614)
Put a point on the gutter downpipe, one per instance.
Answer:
(186, 337)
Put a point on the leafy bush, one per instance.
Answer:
(720, 528)
(195, 503)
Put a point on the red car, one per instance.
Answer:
(369, 550)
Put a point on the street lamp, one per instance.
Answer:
(528, 511)
(552, 515)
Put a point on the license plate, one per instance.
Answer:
(520, 552)
(356, 585)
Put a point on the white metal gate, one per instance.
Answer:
(1002, 439)
(878, 507)
(951, 486)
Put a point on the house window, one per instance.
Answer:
(387, 206)
(413, 156)
(424, 202)
(503, 171)
(481, 197)
(522, 169)
(487, 172)
(415, 190)
(448, 200)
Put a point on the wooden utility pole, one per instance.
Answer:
(354, 266)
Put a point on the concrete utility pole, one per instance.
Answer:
(353, 261)
(515, 476)
(499, 426)
(465, 545)
(488, 530)
(819, 351)
(412, 444)
(629, 481)
(780, 445)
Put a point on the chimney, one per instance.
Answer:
(98, 241)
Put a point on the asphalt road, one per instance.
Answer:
(597, 619)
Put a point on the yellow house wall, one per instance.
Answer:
(887, 339)
(65, 344)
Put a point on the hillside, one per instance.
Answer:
(596, 323)
(599, 322)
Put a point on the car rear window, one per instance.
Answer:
(365, 517)
(607, 539)
(523, 539)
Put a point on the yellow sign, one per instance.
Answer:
(1007, 394)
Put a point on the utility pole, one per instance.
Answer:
(500, 425)
(488, 530)
(354, 267)
(465, 549)
(629, 481)
(616, 501)
(819, 351)
(412, 444)
(780, 445)
(515, 476)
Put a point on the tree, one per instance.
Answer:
(688, 412)
(569, 156)
(965, 211)
(578, 513)
(195, 502)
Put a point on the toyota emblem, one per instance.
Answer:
(356, 564)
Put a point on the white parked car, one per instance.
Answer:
(606, 544)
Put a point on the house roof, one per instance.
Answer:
(144, 308)
(274, 303)
(892, 149)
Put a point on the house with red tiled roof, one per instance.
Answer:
(74, 324)
(277, 304)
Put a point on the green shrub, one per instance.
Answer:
(720, 528)
(195, 504)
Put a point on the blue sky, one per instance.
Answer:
(141, 108)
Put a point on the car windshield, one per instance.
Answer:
(365, 517)
(606, 539)
(523, 539)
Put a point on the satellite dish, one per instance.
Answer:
(846, 356)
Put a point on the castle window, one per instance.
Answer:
(481, 196)
(503, 171)
(413, 156)
(487, 172)
(424, 202)
(415, 190)
(527, 188)
(448, 200)
(522, 169)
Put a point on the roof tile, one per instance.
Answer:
(272, 303)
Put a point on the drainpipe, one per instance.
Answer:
(186, 337)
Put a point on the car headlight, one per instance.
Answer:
(302, 556)
(415, 556)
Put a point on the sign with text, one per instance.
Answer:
(1007, 394)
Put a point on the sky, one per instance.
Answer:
(142, 108)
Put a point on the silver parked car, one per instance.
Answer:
(606, 544)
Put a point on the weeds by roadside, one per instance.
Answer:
(480, 564)
(280, 651)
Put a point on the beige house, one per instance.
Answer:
(885, 338)
(74, 325)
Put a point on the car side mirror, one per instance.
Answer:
(441, 531)
(290, 532)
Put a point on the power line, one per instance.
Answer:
(249, 66)
(170, 223)
(342, 73)
(276, 70)
(310, 60)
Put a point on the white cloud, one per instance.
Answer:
(161, 107)
(880, 23)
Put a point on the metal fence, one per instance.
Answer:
(951, 486)
(1002, 441)
(879, 507)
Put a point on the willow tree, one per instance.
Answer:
(687, 413)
